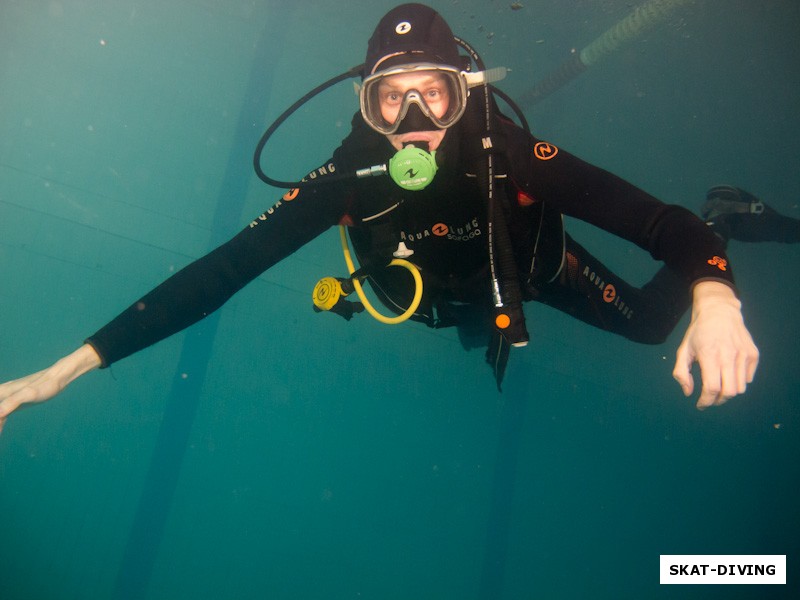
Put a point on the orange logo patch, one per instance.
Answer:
(440, 229)
(719, 262)
(609, 293)
(291, 194)
(544, 151)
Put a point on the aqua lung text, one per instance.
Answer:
(609, 292)
(464, 233)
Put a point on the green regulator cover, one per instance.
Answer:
(413, 168)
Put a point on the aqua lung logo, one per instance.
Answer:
(403, 28)
(544, 151)
(609, 291)
(462, 233)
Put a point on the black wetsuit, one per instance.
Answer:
(445, 226)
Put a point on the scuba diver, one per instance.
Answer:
(454, 213)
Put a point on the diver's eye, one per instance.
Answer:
(391, 98)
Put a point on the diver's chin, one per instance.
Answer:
(432, 138)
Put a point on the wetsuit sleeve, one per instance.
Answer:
(206, 284)
(670, 233)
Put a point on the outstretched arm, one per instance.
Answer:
(720, 343)
(45, 384)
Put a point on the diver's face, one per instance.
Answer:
(434, 92)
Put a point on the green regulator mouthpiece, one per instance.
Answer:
(413, 168)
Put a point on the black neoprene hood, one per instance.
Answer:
(411, 33)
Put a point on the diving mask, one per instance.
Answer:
(438, 92)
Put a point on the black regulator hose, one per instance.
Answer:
(354, 72)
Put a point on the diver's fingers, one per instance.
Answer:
(752, 356)
(682, 372)
(711, 375)
(720, 380)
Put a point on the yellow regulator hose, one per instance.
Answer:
(397, 262)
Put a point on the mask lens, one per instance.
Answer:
(439, 93)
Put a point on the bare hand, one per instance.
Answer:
(45, 384)
(720, 343)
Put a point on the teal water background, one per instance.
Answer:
(332, 460)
